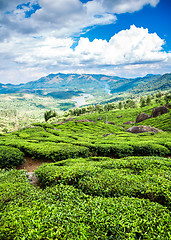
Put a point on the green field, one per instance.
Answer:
(102, 182)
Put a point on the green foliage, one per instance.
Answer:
(91, 197)
(167, 97)
(142, 102)
(133, 177)
(162, 122)
(49, 114)
(63, 212)
(10, 157)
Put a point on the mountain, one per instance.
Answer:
(160, 83)
(58, 85)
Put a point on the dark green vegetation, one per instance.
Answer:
(10, 156)
(103, 182)
(136, 205)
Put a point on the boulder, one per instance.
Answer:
(100, 118)
(141, 117)
(159, 111)
(129, 122)
(142, 129)
(168, 105)
(119, 116)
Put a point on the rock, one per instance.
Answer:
(112, 123)
(142, 129)
(141, 117)
(129, 122)
(119, 116)
(168, 105)
(159, 111)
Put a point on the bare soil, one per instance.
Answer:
(31, 164)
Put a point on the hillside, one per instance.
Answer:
(160, 83)
(100, 180)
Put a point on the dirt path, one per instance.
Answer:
(30, 166)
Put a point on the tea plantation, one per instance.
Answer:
(102, 182)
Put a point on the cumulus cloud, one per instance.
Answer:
(134, 45)
(62, 17)
(129, 50)
(58, 18)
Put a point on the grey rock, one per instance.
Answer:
(142, 129)
(159, 111)
(142, 116)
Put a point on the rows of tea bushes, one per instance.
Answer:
(74, 140)
(48, 150)
(142, 177)
(65, 212)
(81, 138)
(89, 191)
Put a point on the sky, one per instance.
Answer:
(125, 38)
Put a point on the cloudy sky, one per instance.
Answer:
(127, 38)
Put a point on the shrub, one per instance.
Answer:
(62, 212)
(147, 148)
(143, 177)
(10, 157)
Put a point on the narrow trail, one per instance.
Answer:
(30, 166)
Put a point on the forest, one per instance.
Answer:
(98, 178)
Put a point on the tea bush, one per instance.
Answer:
(63, 212)
(142, 177)
(10, 157)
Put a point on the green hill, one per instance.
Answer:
(100, 181)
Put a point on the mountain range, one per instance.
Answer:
(67, 85)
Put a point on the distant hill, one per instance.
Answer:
(160, 83)
(57, 85)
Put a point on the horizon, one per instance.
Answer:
(126, 39)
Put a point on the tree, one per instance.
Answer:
(49, 114)
(148, 100)
(158, 94)
(142, 102)
(167, 97)
(120, 105)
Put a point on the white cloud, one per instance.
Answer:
(123, 6)
(134, 45)
(58, 18)
(127, 52)
(62, 17)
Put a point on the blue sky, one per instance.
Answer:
(127, 38)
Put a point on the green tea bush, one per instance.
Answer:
(62, 212)
(13, 185)
(10, 157)
(142, 177)
(147, 148)
(111, 150)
